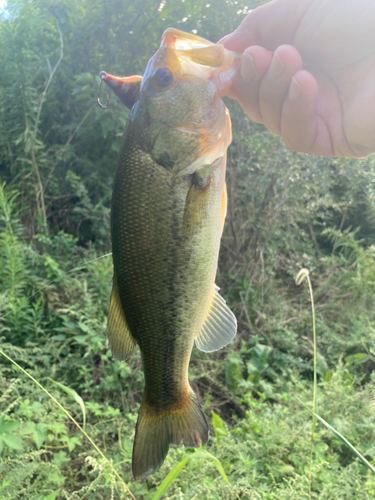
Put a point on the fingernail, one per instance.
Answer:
(276, 68)
(247, 69)
(295, 90)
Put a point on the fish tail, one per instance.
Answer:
(155, 431)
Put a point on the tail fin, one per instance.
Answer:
(155, 432)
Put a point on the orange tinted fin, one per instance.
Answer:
(220, 325)
(155, 432)
(224, 205)
(213, 56)
(121, 341)
(126, 88)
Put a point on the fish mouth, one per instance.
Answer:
(195, 56)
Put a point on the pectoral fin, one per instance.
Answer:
(121, 341)
(219, 327)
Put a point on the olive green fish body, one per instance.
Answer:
(168, 210)
(165, 259)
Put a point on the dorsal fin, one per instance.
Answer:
(121, 341)
(220, 325)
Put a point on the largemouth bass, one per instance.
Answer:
(168, 210)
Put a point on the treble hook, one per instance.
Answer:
(102, 75)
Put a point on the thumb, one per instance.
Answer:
(269, 26)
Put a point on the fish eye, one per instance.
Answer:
(163, 78)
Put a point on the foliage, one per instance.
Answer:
(286, 211)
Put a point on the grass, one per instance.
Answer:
(115, 473)
(264, 445)
(304, 275)
(220, 428)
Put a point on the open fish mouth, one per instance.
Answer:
(197, 57)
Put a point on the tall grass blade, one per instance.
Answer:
(339, 436)
(198, 454)
(346, 442)
(168, 480)
(304, 274)
(72, 393)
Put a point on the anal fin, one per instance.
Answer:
(220, 325)
(121, 341)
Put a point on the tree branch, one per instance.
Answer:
(33, 157)
(50, 78)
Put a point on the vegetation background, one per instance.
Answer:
(287, 211)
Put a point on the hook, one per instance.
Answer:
(102, 75)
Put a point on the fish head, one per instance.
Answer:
(179, 117)
(183, 116)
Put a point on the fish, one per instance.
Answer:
(168, 209)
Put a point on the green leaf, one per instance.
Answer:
(37, 407)
(52, 495)
(7, 426)
(233, 375)
(72, 393)
(71, 442)
(5, 484)
(358, 358)
(12, 441)
(218, 425)
(58, 338)
(60, 458)
(39, 435)
(80, 339)
(262, 352)
(57, 478)
(28, 428)
(115, 146)
(327, 376)
(168, 480)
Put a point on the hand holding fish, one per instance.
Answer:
(317, 90)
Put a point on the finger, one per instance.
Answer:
(299, 119)
(255, 62)
(312, 117)
(274, 86)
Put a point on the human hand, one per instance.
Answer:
(317, 91)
